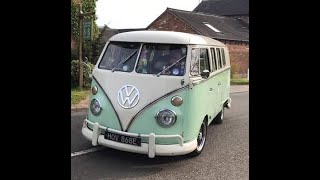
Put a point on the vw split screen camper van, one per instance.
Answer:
(155, 92)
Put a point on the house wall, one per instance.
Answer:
(239, 58)
(169, 22)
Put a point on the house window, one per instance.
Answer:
(211, 27)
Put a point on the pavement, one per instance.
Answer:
(83, 105)
(239, 88)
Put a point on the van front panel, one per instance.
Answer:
(148, 87)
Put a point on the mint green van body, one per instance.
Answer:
(138, 108)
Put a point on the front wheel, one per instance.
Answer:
(201, 139)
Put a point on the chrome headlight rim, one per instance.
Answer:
(166, 125)
(96, 113)
(94, 90)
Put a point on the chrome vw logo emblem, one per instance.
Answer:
(128, 96)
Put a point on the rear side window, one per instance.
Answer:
(223, 57)
(214, 61)
(219, 58)
(204, 60)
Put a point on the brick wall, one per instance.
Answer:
(169, 22)
(239, 58)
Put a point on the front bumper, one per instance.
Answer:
(149, 148)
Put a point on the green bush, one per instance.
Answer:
(75, 74)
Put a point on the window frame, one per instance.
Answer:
(199, 48)
(190, 71)
(224, 63)
(213, 59)
(208, 59)
(106, 49)
(218, 58)
(154, 43)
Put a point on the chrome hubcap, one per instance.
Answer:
(201, 137)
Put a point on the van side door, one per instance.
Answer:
(219, 82)
(214, 81)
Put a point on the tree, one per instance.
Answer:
(88, 48)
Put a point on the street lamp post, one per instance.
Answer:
(81, 17)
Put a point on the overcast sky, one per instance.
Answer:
(121, 14)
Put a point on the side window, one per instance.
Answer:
(214, 61)
(223, 57)
(219, 58)
(194, 66)
(204, 60)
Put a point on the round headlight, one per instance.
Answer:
(94, 90)
(176, 100)
(166, 118)
(95, 107)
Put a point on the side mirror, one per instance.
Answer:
(205, 74)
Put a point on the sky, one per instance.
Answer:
(123, 14)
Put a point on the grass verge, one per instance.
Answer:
(78, 95)
(241, 81)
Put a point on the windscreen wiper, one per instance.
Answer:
(167, 68)
(125, 60)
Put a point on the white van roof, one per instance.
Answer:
(169, 37)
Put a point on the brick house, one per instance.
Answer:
(234, 32)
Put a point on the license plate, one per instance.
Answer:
(136, 141)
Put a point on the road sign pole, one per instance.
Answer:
(80, 49)
(81, 17)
